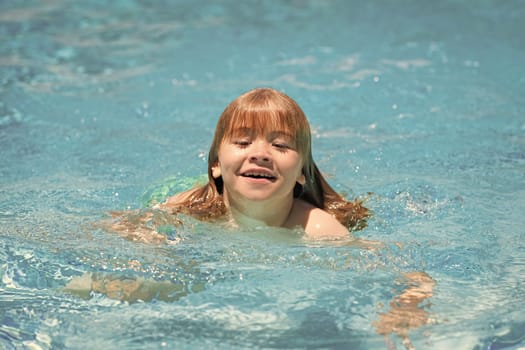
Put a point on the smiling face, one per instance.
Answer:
(262, 143)
(258, 167)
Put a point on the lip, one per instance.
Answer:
(258, 174)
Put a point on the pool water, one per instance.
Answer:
(417, 107)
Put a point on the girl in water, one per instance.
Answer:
(261, 172)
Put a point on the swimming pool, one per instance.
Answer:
(419, 104)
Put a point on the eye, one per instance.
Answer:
(282, 141)
(283, 146)
(241, 142)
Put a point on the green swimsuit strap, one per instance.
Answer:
(159, 192)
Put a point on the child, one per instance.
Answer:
(261, 172)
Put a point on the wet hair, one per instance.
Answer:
(262, 110)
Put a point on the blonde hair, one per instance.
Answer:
(264, 109)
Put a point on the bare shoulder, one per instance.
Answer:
(316, 222)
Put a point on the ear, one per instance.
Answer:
(301, 179)
(216, 170)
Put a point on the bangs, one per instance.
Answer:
(264, 121)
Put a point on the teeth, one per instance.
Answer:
(259, 175)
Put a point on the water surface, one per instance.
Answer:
(419, 104)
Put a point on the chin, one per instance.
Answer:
(256, 198)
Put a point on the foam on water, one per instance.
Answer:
(415, 107)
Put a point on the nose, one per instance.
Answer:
(260, 152)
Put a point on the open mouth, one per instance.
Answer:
(258, 175)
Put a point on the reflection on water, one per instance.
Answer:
(100, 102)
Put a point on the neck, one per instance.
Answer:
(256, 213)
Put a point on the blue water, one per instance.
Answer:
(416, 106)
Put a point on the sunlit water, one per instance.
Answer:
(418, 103)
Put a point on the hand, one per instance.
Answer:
(146, 226)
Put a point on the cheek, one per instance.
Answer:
(228, 158)
(294, 164)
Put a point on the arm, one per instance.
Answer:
(149, 225)
(406, 311)
(130, 289)
(146, 225)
